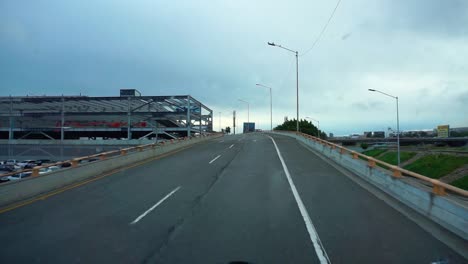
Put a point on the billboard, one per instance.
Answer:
(129, 92)
(443, 131)
(249, 127)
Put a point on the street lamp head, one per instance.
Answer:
(257, 84)
(372, 90)
(271, 44)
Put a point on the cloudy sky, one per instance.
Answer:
(217, 51)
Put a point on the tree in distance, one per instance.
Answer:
(305, 127)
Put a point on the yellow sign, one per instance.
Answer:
(443, 131)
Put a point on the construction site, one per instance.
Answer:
(128, 116)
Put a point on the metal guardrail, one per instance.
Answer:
(73, 163)
(438, 187)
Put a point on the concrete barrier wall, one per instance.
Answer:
(449, 212)
(16, 191)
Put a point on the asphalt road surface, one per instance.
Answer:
(230, 199)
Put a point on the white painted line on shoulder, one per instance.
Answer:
(221, 141)
(154, 206)
(213, 160)
(318, 246)
(231, 146)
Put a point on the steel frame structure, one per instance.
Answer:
(73, 117)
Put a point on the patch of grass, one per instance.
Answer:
(436, 166)
(392, 157)
(461, 183)
(374, 152)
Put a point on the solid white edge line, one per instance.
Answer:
(213, 160)
(154, 206)
(231, 146)
(319, 249)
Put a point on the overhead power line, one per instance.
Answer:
(323, 30)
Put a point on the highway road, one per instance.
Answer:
(251, 198)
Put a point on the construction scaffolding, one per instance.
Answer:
(123, 117)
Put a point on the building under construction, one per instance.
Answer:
(128, 116)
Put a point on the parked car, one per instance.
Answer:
(4, 179)
(66, 165)
(7, 168)
(30, 166)
(19, 176)
(11, 162)
(43, 161)
(26, 162)
(54, 168)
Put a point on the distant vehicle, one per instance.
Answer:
(19, 176)
(11, 162)
(25, 162)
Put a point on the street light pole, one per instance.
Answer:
(271, 106)
(248, 110)
(318, 126)
(297, 92)
(297, 80)
(219, 121)
(398, 121)
(398, 130)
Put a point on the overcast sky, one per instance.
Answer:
(217, 51)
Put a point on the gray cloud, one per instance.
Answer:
(462, 98)
(346, 36)
(414, 49)
(443, 18)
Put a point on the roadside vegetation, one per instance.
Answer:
(389, 156)
(461, 183)
(374, 152)
(392, 157)
(436, 166)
